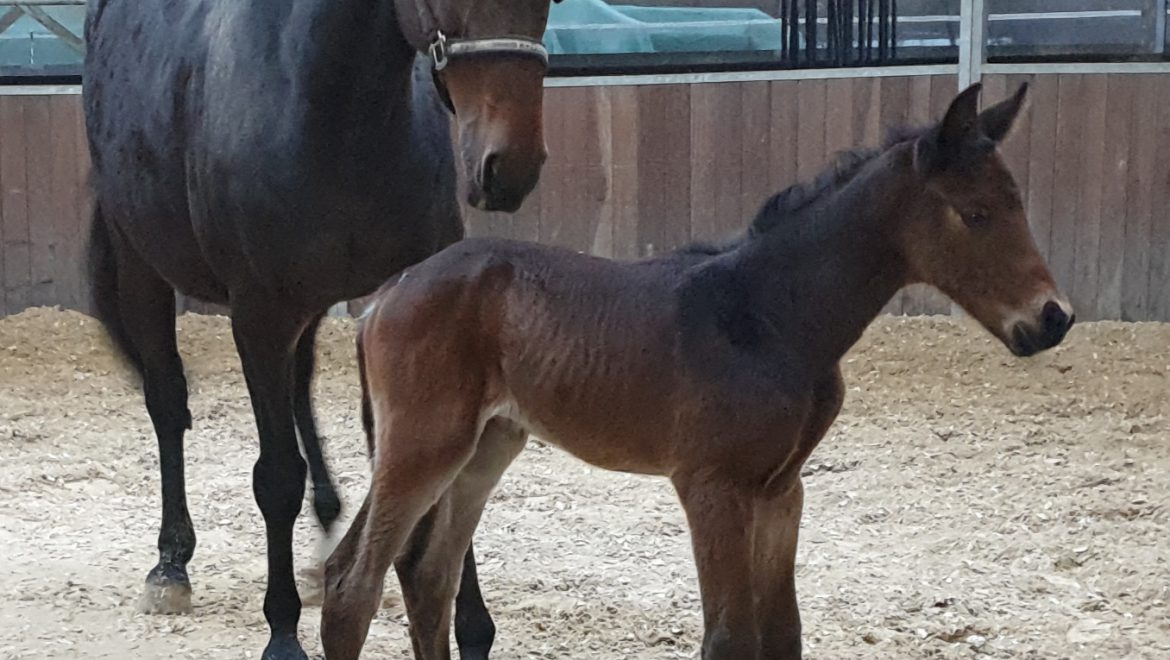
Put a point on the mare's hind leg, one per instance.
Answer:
(719, 514)
(326, 503)
(430, 571)
(416, 461)
(146, 304)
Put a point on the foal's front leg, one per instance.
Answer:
(776, 525)
(720, 517)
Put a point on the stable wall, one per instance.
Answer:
(641, 165)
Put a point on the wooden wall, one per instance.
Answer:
(44, 203)
(638, 170)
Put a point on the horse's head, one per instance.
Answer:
(971, 239)
(489, 66)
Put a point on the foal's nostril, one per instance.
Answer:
(1056, 322)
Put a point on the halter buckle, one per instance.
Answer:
(438, 51)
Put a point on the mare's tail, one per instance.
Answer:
(102, 268)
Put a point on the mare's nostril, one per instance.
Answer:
(489, 175)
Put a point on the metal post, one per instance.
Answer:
(972, 41)
(1159, 26)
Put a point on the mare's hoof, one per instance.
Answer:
(167, 591)
(284, 647)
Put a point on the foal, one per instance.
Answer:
(716, 367)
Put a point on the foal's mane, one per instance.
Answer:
(787, 204)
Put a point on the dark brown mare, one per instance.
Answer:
(280, 156)
(716, 367)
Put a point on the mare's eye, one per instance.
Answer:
(975, 219)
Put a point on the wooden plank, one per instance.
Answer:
(755, 183)
(1119, 116)
(1158, 287)
(41, 220)
(894, 112)
(783, 133)
(664, 167)
(1068, 165)
(716, 160)
(810, 136)
(1139, 197)
(867, 112)
(1041, 160)
(573, 197)
(1015, 147)
(84, 197)
(14, 204)
(624, 141)
(1086, 225)
(838, 117)
(63, 184)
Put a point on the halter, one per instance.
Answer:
(443, 49)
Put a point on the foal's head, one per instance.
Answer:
(490, 68)
(970, 236)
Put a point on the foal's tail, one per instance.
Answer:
(102, 268)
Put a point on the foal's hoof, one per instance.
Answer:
(167, 591)
(284, 647)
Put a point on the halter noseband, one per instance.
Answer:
(442, 49)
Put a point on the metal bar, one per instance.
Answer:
(1160, 26)
(1042, 68)
(972, 41)
(11, 16)
(752, 76)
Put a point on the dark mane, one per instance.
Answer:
(787, 203)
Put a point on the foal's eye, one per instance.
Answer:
(975, 219)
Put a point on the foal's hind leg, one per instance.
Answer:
(430, 571)
(146, 305)
(417, 460)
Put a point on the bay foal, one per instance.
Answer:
(714, 366)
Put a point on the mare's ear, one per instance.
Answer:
(958, 130)
(996, 121)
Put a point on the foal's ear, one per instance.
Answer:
(996, 121)
(958, 129)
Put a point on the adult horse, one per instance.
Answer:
(716, 367)
(279, 157)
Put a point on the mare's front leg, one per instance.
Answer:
(719, 513)
(266, 337)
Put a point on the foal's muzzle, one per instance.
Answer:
(1029, 338)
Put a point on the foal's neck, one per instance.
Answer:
(820, 279)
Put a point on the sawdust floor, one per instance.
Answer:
(965, 503)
